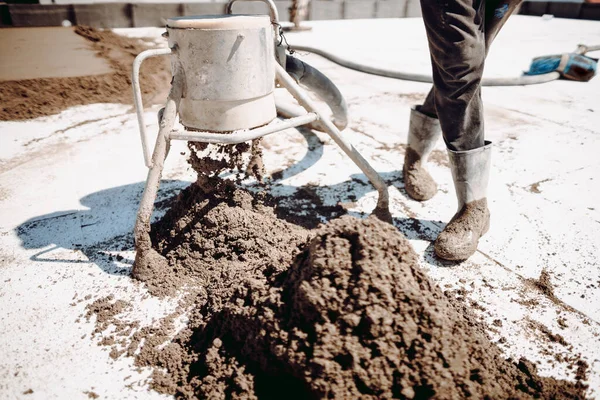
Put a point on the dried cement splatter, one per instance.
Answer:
(543, 284)
(548, 335)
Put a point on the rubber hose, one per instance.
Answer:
(516, 81)
(315, 81)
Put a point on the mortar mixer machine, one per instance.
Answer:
(224, 72)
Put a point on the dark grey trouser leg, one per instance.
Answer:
(460, 33)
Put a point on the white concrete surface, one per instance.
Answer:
(69, 187)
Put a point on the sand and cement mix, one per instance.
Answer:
(274, 310)
(36, 97)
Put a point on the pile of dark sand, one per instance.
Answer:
(275, 310)
(214, 220)
(347, 314)
(215, 230)
(31, 98)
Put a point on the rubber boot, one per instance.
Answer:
(470, 172)
(423, 133)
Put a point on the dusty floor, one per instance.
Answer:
(68, 242)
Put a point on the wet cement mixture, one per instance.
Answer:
(275, 310)
(32, 98)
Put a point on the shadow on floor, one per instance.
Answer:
(103, 224)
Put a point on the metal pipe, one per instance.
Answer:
(243, 136)
(288, 110)
(137, 96)
(142, 222)
(382, 209)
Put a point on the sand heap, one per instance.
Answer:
(347, 314)
(215, 230)
(31, 98)
(278, 311)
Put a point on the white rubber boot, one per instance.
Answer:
(470, 172)
(423, 133)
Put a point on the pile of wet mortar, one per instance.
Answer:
(343, 311)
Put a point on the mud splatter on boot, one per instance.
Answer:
(423, 133)
(459, 240)
(470, 173)
(418, 183)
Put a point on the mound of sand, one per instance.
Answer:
(32, 98)
(215, 231)
(351, 315)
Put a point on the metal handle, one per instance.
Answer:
(274, 14)
(137, 97)
(382, 209)
(272, 9)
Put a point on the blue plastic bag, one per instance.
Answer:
(572, 66)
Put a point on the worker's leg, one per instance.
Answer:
(456, 34)
(424, 129)
(496, 15)
(423, 133)
(457, 46)
(455, 31)
(460, 33)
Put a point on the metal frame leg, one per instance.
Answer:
(382, 209)
(143, 243)
(137, 96)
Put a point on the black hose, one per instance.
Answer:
(314, 80)
(407, 76)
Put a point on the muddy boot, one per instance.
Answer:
(470, 172)
(423, 132)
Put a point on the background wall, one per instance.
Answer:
(114, 14)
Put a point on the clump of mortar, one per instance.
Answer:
(277, 311)
(210, 160)
(348, 314)
(214, 219)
